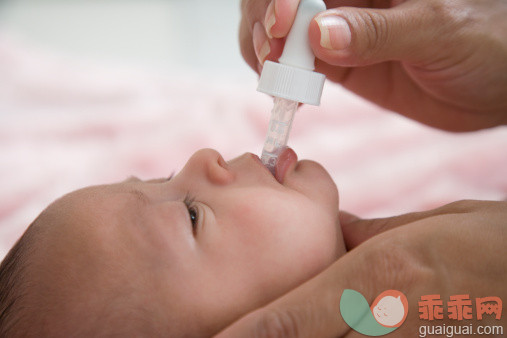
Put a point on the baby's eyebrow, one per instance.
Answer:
(139, 196)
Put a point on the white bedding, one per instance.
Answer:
(65, 124)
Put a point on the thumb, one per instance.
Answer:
(308, 311)
(350, 36)
(313, 308)
(356, 230)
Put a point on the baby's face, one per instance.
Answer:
(213, 242)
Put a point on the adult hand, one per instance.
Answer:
(440, 62)
(453, 250)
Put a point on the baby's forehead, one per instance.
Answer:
(89, 208)
(111, 216)
(85, 221)
(96, 198)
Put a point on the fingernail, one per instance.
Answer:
(270, 19)
(259, 68)
(261, 43)
(334, 32)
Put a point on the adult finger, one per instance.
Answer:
(252, 12)
(255, 44)
(356, 230)
(313, 309)
(349, 36)
(265, 24)
(280, 14)
(246, 45)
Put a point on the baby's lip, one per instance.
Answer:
(287, 160)
(258, 160)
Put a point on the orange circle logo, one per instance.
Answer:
(390, 308)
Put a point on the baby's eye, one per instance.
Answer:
(193, 212)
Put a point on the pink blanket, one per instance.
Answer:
(65, 124)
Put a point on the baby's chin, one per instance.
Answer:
(331, 245)
(313, 180)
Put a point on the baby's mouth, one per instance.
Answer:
(287, 160)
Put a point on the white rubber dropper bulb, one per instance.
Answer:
(293, 77)
(297, 51)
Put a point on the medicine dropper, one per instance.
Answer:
(291, 81)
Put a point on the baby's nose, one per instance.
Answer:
(212, 164)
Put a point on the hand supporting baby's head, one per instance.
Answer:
(185, 255)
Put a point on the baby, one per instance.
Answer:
(183, 256)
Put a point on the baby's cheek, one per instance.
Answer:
(324, 236)
(322, 247)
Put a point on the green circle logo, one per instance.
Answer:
(387, 312)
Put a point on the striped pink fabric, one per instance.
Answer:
(65, 124)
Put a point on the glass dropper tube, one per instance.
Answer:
(279, 128)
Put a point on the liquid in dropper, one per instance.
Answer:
(280, 124)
